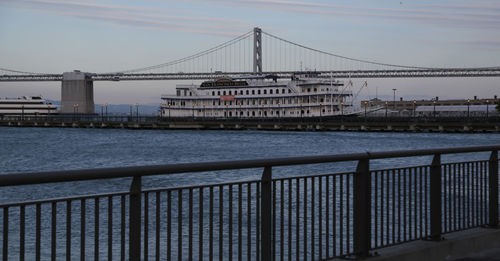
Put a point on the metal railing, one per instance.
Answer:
(310, 217)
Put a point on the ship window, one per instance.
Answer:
(307, 111)
(219, 103)
(272, 112)
(258, 91)
(289, 91)
(321, 100)
(277, 112)
(271, 91)
(241, 113)
(277, 91)
(308, 89)
(230, 103)
(247, 92)
(190, 94)
(315, 89)
(241, 92)
(224, 93)
(218, 92)
(282, 90)
(253, 91)
(265, 91)
(253, 113)
(185, 92)
(213, 93)
(229, 92)
(213, 103)
(178, 92)
(253, 102)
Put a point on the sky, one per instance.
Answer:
(56, 36)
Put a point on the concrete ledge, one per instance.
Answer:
(472, 244)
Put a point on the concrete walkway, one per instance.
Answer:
(478, 244)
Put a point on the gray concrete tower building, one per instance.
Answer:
(77, 93)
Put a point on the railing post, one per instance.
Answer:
(135, 220)
(435, 197)
(266, 214)
(362, 209)
(493, 186)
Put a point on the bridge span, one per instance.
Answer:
(365, 74)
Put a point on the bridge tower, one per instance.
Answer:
(77, 93)
(257, 50)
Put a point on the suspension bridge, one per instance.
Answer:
(255, 52)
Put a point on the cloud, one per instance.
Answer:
(478, 16)
(150, 18)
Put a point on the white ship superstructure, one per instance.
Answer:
(258, 97)
(33, 105)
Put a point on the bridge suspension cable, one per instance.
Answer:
(202, 56)
(17, 72)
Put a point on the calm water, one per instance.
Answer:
(46, 149)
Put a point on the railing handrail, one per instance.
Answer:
(15, 179)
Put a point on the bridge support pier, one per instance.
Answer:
(77, 93)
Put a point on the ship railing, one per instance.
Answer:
(348, 213)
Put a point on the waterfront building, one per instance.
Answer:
(303, 95)
(408, 107)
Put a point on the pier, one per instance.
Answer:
(382, 124)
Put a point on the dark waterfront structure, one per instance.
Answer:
(338, 123)
(313, 217)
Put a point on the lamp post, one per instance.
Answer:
(106, 111)
(320, 113)
(301, 112)
(414, 111)
(487, 105)
(386, 103)
(169, 111)
(394, 98)
(365, 107)
(279, 109)
(131, 110)
(77, 117)
(137, 111)
(434, 110)
(74, 111)
(468, 108)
